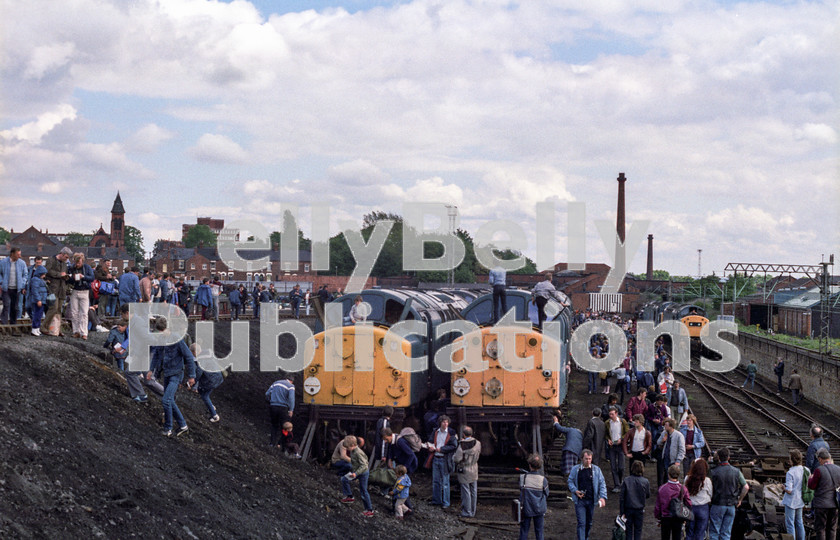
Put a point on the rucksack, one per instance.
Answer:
(411, 438)
(807, 493)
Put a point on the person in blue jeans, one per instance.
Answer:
(359, 471)
(751, 371)
(170, 361)
(728, 490)
(588, 488)
(207, 379)
(442, 448)
(533, 498)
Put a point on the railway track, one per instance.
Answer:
(755, 426)
(788, 417)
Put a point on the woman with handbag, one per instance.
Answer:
(673, 505)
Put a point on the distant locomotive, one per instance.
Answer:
(692, 316)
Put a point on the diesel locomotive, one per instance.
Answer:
(501, 405)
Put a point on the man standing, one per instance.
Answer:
(795, 386)
(130, 287)
(359, 470)
(677, 400)
(572, 448)
(146, 287)
(728, 490)
(779, 370)
(637, 405)
(594, 435)
(281, 399)
(588, 488)
(57, 285)
(533, 498)
(235, 298)
(216, 290)
(817, 442)
(497, 279)
(295, 298)
(825, 481)
(102, 273)
(442, 447)
(617, 429)
(13, 276)
(673, 448)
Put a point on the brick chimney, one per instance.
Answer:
(650, 257)
(619, 220)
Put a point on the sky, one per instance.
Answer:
(722, 115)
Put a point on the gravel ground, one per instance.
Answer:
(79, 459)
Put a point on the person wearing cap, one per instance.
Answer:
(825, 481)
(57, 285)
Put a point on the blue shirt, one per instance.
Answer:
(497, 276)
(281, 394)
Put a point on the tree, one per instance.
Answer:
(134, 243)
(200, 234)
(77, 239)
(4, 235)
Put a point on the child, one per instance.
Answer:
(206, 381)
(37, 298)
(400, 491)
(533, 496)
(115, 343)
(359, 469)
(287, 441)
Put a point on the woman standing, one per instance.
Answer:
(671, 526)
(793, 496)
(634, 491)
(694, 442)
(81, 276)
(699, 487)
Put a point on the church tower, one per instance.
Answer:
(118, 223)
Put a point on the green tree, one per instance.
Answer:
(134, 243)
(200, 234)
(77, 239)
(4, 235)
(289, 223)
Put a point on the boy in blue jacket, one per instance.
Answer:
(533, 498)
(400, 491)
(37, 298)
(170, 361)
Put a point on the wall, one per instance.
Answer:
(820, 378)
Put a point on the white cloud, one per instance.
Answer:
(32, 132)
(148, 138)
(218, 149)
(51, 188)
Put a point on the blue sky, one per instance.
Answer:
(723, 115)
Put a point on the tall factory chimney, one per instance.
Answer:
(650, 258)
(620, 259)
(619, 220)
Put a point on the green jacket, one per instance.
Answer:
(359, 461)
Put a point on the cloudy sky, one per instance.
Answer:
(722, 115)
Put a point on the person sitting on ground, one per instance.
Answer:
(533, 498)
(359, 471)
(287, 441)
(400, 492)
